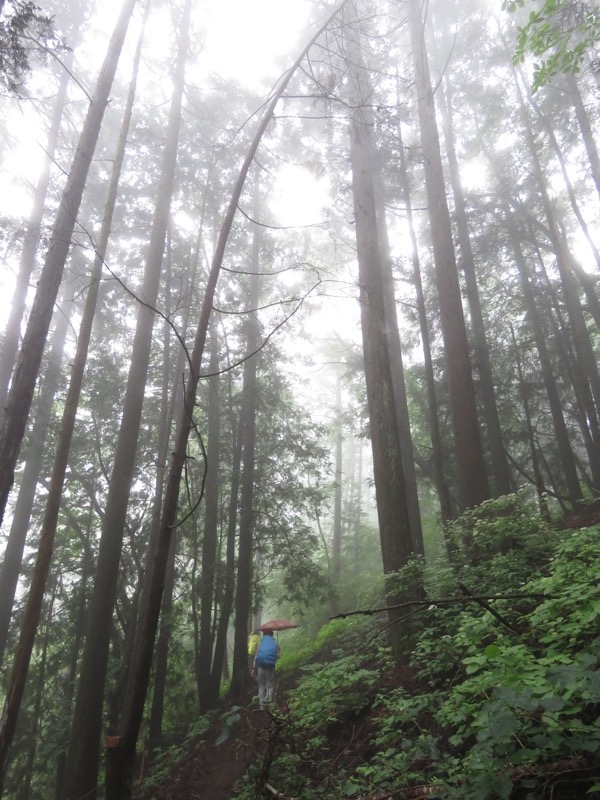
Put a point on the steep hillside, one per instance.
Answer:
(495, 697)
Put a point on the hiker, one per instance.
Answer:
(264, 668)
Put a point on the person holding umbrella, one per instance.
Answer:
(265, 660)
(264, 668)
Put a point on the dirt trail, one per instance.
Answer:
(211, 771)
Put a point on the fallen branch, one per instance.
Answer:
(484, 604)
(274, 793)
(444, 601)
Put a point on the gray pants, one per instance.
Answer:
(265, 677)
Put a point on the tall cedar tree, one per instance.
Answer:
(30, 355)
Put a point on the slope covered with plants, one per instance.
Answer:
(493, 698)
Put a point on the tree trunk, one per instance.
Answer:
(443, 490)
(397, 366)
(84, 741)
(122, 756)
(535, 462)
(562, 434)
(336, 548)
(471, 467)
(10, 342)
(19, 528)
(586, 129)
(228, 579)
(211, 525)
(390, 487)
(500, 469)
(30, 356)
(240, 675)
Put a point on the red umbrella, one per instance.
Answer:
(278, 625)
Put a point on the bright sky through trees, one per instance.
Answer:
(250, 44)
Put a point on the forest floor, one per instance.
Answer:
(212, 770)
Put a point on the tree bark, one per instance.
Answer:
(471, 468)
(19, 528)
(390, 486)
(437, 449)
(240, 675)
(500, 469)
(586, 129)
(10, 342)
(211, 526)
(84, 741)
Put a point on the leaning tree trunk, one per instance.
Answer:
(84, 741)
(52, 509)
(31, 239)
(30, 356)
(471, 468)
(121, 756)
(586, 129)
(547, 127)
(581, 338)
(561, 337)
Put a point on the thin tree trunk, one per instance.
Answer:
(10, 341)
(443, 490)
(535, 462)
(87, 569)
(483, 364)
(30, 356)
(586, 129)
(19, 528)
(240, 675)
(211, 525)
(336, 548)
(228, 578)
(84, 741)
(562, 434)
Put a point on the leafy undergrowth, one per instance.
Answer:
(492, 700)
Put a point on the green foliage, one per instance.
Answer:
(24, 30)
(559, 32)
(331, 692)
(493, 709)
